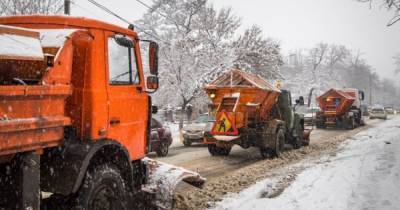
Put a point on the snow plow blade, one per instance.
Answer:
(163, 180)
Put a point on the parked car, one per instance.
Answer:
(194, 132)
(160, 138)
(389, 110)
(378, 113)
(309, 113)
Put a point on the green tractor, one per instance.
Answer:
(291, 123)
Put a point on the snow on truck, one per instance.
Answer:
(251, 112)
(340, 108)
(75, 117)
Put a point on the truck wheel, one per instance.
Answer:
(266, 152)
(225, 151)
(102, 188)
(320, 125)
(54, 202)
(279, 143)
(214, 150)
(187, 142)
(211, 149)
(162, 150)
(298, 141)
(351, 124)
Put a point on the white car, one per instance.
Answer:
(378, 113)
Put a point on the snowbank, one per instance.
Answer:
(365, 175)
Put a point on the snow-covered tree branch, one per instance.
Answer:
(390, 5)
(25, 7)
(335, 66)
(197, 42)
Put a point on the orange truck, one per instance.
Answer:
(340, 108)
(251, 112)
(75, 117)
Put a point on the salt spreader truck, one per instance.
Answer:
(340, 108)
(75, 117)
(251, 112)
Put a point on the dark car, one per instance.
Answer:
(160, 138)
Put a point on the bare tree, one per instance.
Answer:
(258, 54)
(198, 43)
(198, 37)
(390, 5)
(317, 56)
(25, 7)
(336, 55)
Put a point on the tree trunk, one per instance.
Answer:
(182, 114)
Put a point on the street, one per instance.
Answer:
(363, 175)
(244, 167)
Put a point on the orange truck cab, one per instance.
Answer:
(75, 112)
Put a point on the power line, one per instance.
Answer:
(163, 15)
(149, 7)
(109, 11)
(105, 9)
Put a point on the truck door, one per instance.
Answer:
(127, 103)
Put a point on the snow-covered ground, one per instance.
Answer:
(364, 175)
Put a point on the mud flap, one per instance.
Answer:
(162, 181)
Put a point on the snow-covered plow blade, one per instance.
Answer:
(162, 181)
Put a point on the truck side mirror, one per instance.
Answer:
(154, 109)
(153, 58)
(362, 96)
(123, 41)
(301, 101)
(152, 82)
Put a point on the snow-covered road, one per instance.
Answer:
(364, 175)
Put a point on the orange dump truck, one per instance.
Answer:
(251, 112)
(340, 108)
(75, 117)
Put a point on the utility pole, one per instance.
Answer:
(67, 7)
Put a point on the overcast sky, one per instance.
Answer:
(296, 24)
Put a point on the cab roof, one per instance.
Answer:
(62, 21)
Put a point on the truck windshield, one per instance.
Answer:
(122, 65)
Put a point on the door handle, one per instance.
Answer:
(115, 121)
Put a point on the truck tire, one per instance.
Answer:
(218, 151)
(54, 202)
(162, 150)
(351, 124)
(298, 141)
(320, 125)
(279, 143)
(102, 188)
(187, 142)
